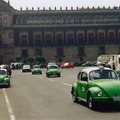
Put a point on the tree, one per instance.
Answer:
(18, 58)
(30, 59)
(40, 59)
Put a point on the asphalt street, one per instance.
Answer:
(36, 97)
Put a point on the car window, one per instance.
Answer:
(2, 72)
(26, 66)
(84, 77)
(118, 73)
(36, 66)
(102, 74)
(79, 76)
(53, 67)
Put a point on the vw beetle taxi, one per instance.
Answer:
(96, 84)
(36, 69)
(4, 78)
(53, 70)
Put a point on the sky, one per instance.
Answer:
(17, 4)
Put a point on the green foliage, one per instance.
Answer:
(18, 58)
(30, 59)
(40, 59)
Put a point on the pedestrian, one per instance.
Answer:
(9, 71)
(13, 66)
(113, 66)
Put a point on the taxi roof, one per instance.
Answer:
(89, 69)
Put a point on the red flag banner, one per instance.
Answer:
(59, 36)
(91, 35)
(101, 35)
(23, 37)
(37, 37)
(80, 36)
(70, 36)
(111, 35)
(48, 37)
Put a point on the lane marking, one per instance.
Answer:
(67, 84)
(10, 110)
(51, 80)
(41, 77)
(60, 82)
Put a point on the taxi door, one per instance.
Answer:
(82, 84)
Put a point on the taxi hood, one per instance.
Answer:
(110, 87)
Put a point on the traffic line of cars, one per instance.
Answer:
(51, 70)
(95, 85)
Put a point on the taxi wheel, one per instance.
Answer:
(90, 102)
(47, 75)
(73, 97)
(58, 75)
(8, 85)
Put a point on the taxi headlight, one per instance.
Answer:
(99, 94)
(5, 79)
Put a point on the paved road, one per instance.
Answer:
(36, 97)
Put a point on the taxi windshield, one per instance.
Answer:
(36, 66)
(53, 67)
(2, 72)
(102, 74)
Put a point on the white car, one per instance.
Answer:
(51, 64)
(26, 68)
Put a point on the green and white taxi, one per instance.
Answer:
(4, 78)
(53, 70)
(96, 84)
(36, 69)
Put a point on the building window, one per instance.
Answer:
(101, 37)
(48, 39)
(37, 39)
(18, 21)
(81, 51)
(24, 20)
(102, 50)
(24, 53)
(59, 39)
(0, 39)
(38, 52)
(111, 36)
(91, 37)
(70, 38)
(23, 39)
(81, 59)
(60, 52)
(80, 38)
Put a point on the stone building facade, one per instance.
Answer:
(80, 34)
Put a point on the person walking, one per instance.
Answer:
(113, 66)
(9, 71)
